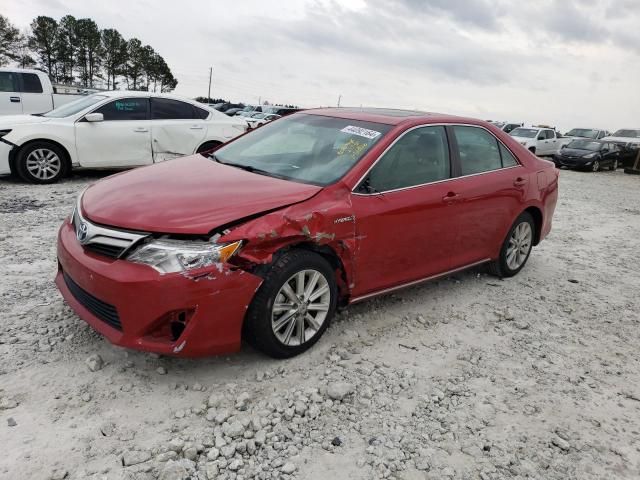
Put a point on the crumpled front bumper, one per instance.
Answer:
(214, 303)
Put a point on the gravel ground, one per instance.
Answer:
(469, 377)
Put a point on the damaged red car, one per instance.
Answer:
(264, 238)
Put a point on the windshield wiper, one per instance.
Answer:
(248, 168)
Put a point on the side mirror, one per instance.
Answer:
(605, 150)
(540, 137)
(94, 117)
(563, 146)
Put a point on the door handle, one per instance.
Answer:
(520, 182)
(14, 99)
(196, 127)
(450, 197)
(141, 130)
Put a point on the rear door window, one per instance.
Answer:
(168, 109)
(125, 109)
(31, 83)
(478, 150)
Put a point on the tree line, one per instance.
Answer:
(76, 51)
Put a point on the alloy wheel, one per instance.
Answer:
(615, 164)
(300, 307)
(43, 164)
(520, 244)
(596, 166)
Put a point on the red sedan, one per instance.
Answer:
(263, 238)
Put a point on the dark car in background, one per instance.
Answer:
(588, 154)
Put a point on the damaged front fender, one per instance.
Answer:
(330, 224)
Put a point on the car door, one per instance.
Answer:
(122, 139)
(177, 128)
(401, 208)
(10, 97)
(34, 100)
(554, 142)
(491, 188)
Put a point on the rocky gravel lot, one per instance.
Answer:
(470, 377)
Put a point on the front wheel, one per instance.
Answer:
(596, 166)
(42, 162)
(293, 306)
(516, 248)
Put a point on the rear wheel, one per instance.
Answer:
(294, 305)
(516, 248)
(42, 162)
(206, 146)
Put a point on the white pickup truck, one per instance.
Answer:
(24, 91)
(540, 140)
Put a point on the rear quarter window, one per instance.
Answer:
(31, 83)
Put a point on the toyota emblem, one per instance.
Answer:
(82, 232)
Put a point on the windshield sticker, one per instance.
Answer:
(362, 132)
(353, 148)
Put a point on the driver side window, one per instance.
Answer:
(420, 156)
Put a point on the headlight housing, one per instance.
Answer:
(4, 132)
(169, 256)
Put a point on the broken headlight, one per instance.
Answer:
(168, 256)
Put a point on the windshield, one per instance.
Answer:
(74, 107)
(305, 148)
(627, 133)
(583, 132)
(524, 132)
(584, 145)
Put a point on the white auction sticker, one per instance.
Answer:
(362, 132)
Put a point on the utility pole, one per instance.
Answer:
(209, 92)
(339, 98)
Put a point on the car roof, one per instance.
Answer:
(390, 116)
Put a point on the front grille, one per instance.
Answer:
(110, 242)
(105, 312)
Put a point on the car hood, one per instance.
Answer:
(575, 152)
(621, 139)
(8, 121)
(189, 195)
(523, 139)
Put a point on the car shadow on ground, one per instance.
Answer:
(228, 367)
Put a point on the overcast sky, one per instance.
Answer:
(567, 63)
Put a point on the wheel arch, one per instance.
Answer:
(536, 213)
(329, 254)
(16, 152)
(215, 143)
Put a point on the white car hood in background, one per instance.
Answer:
(621, 139)
(523, 139)
(9, 121)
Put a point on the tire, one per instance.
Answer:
(532, 150)
(42, 162)
(266, 326)
(596, 166)
(208, 146)
(503, 267)
(614, 165)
